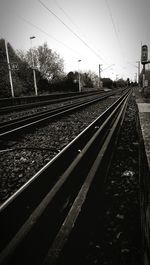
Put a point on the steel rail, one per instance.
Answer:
(12, 127)
(10, 122)
(69, 222)
(34, 99)
(99, 134)
(46, 102)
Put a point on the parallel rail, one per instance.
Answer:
(36, 222)
(12, 127)
(5, 102)
(54, 99)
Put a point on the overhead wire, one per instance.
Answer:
(74, 33)
(114, 26)
(46, 33)
(69, 18)
(107, 67)
(65, 13)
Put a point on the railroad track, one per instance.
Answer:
(37, 221)
(17, 101)
(53, 100)
(13, 127)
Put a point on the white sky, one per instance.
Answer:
(114, 30)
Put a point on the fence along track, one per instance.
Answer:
(52, 203)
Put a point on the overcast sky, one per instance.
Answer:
(106, 32)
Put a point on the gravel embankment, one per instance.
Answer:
(110, 233)
(20, 159)
(121, 235)
(115, 237)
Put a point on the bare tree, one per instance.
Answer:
(46, 61)
(90, 79)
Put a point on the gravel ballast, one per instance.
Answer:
(115, 238)
(121, 238)
(110, 227)
(21, 158)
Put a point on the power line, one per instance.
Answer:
(114, 26)
(108, 67)
(70, 19)
(112, 20)
(75, 34)
(46, 33)
(65, 13)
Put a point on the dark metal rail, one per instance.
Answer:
(5, 102)
(12, 127)
(62, 98)
(36, 222)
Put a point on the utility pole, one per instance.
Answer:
(143, 76)
(144, 61)
(79, 76)
(9, 69)
(33, 67)
(116, 79)
(135, 79)
(99, 76)
(138, 62)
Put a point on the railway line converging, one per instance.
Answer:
(13, 127)
(17, 104)
(22, 156)
(56, 199)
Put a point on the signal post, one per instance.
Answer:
(144, 61)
